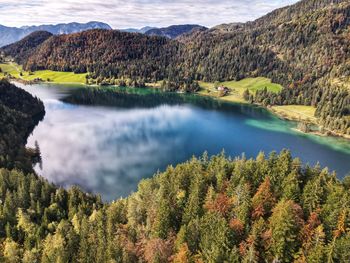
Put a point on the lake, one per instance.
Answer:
(107, 148)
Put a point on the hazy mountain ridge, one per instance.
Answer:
(171, 32)
(13, 34)
(136, 30)
(174, 31)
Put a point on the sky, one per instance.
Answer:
(135, 13)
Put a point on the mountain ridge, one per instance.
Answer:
(11, 35)
(174, 31)
(141, 30)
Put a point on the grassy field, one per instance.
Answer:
(10, 68)
(238, 87)
(296, 112)
(57, 77)
(45, 75)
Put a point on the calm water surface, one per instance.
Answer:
(108, 150)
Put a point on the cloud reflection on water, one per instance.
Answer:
(109, 150)
(112, 149)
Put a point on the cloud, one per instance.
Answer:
(135, 13)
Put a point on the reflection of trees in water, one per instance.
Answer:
(126, 98)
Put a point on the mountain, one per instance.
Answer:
(173, 31)
(135, 30)
(10, 35)
(169, 32)
(24, 48)
(303, 47)
(103, 52)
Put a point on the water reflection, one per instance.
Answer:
(108, 150)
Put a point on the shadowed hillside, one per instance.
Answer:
(19, 114)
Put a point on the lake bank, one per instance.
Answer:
(304, 114)
(108, 149)
(234, 93)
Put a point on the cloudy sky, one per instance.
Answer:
(135, 13)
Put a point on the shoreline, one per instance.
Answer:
(33, 82)
(331, 135)
(313, 132)
(222, 99)
(283, 117)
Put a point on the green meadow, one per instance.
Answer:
(238, 87)
(16, 71)
(10, 68)
(296, 112)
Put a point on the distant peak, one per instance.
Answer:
(13, 34)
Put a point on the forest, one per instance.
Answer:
(272, 208)
(25, 47)
(102, 53)
(218, 209)
(19, 114)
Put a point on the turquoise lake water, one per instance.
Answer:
(107, 148)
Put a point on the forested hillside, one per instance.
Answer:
(19, 114)
(294, 46)
(106, 54)
(304, 47)
(24, 48)
(205, 210)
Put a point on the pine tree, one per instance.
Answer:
(285, 223)
(214, 240)
(263, 201)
